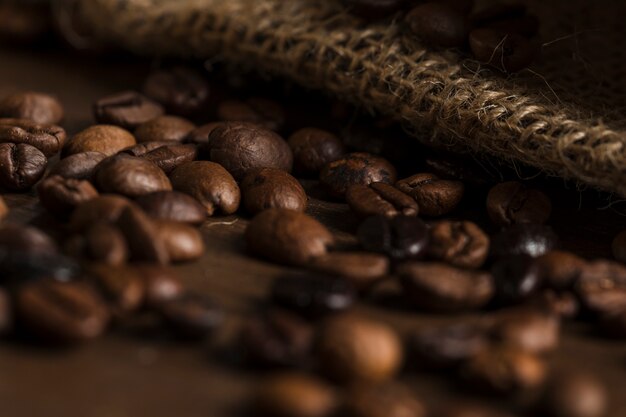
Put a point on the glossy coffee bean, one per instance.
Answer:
(105, 243)
(130, 176)
(161, 284)
(60, 196)
(383, 400)
(49, 139)
(450, 168)
(142, 149)
(170, 157)
(121, 287)
(400, 237)
(512, 202)
(601, 287)
(265, 188)
(312, 149)
(374, 9)
(351, 348)
(210, 184)
(287, 236)
(61, 312)
(574, 394)
(26, 239)
(528, 329)
(200, 135)
(559, 270)
(79, 166)
(180, 90)
(174, 206)
(380, 199)
(438, 287)
(259, 111)
(164, 128)
(239, 147)
(361, 269)
(434, 196)
(524, 239)
(127, 109)
(41, 108)
(104, 208)
(505, 52)
(182, 242)
(516, 278)
(438, 24)
(191, 316)
(105, 139)
(618, 246)
(142, 236)
(21, 166)
(458, 243)
(356, 168)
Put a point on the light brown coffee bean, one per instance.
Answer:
(60, 196)
(4, 209)
(164, 128)
(434, 196)
(458, 243)
(104, 208)
(41, 108)
(532, 330)
(173, 205)
(161, 284)
(560, 269)
(265, 188)
(142, 236)
(380, 199)
(182, 242)
(362, 269)
(106, 139)
(130, 176)
(601, 287)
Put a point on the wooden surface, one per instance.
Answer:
(125, 374)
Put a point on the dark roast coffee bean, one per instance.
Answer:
(524, 239)
(104, 208)
(191, 316)
(438, 24)
(438, 287)
(48, 139)
(80, 166)
(18, 267)
(200, 135)
(361, 269)
(130, 176)
(61, 196)
(61, 312)
(383, 400)
(169, 157)
(458, 243)
(41, 108)
(265, 188)
(105, 243)
(144, 148)
(210, 184)
(173, 205)
(287, 236)
(239, 147)
(574, 394)
(451, 168)
(374, 9)
(614, 323)
(105, 139)
(26, 239)
(121, 287)
(516, 278)
(559, 270)
(532, 330)
(312, 149)
(400, 237)
(6, 313)
(618, 246)
(161, 284)
(601, 287)
(434, 196)
(164, 128)
(127, 109)
(356, 168)
(142, 236)
(380, 199)
(182, 242)
(259, 111)
(313, 295)
(512, 202)
(507, 18)
(181, 90)
(505, 52)
(21, 166)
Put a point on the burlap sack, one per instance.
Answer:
(565, 115)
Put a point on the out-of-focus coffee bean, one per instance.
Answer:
(524, 239)
(104, 208)
(559, 269)
(312, 149)
(465, 409)
(24, 23)
(4, 209)
(6, 312)
(601, 287)
(105, 243)
(574, 394)
(400, 237)
(361, 269)
(356, 168)
(127, 109)
(191, 316)
(532, 330)
(182, 242)
(180, 90)
(79, 166)
(374, 9)
(105, 139)
(26, 239)
(49, 139)
(259, 111)
(200, 135)
(161, 284)
(383, 400)
(41, 108)
(142, 236)
(121, 287)
(169, 157)
(505, 52)
(265, 188)
(380, 199)
(516, 278)
(512, 202)
(61, 195)
(144, 148)
(130, 176)
(561, 304)
(438, 24)
(21, 166)
(164, 128)
(458, 243)
(174, 206)
(506, 18)
(434, 196)
(18, 267)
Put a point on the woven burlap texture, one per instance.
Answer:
(565, 115)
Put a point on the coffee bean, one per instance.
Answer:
(142, 236)
(79, 166)
(26, 239)
(191, 316)
(532, 330)
(383, 400)
(61, 196)
(313, 148)
(438, 287)
(6, 313)
(438, 24)
(130, 176)
(374, 9)
(400, 237)
(24, 24)
(21, 166)
(453, 168)
(618, 246)
(524, 239)
(380, 199)
(434, 196)
(41, 108)
(61, 312)
(104, 208)
(164, 128)
(239, 147)
(169, 157)
(127, 109)
(210, 184)
(259, 111)
(458, 243)
(161, 284)
(559, 270)
(105, 243)
(18, 267)
(574, 394)
(49, 139)
(497, 12)
(507, 18)
(312, 295)
(516, 278)
(512, 202)
(564, 305)
(181, 90)
(105, 139)
(265, 188)
(121, 286)
(359, 268)
(505, 52)
(182, 242)
(356, 168)
(350, 348)
(173, 205)
(601, 287)
(200, 135)
(142, 149)
(287, 236)
(4, 209)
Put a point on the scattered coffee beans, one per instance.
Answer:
(182, 242)
(121, 286)
(127, 109)
(314, 148)
(173, 205)
(61, 195)
(105, 243)
(142, 236)
(104, 208)
(48, 139)
(516, 278)
(559, 270)
(106, 139)
(265, 188)
(356, 168)
(380, 199)
(459, 243)
(359, 268)
(524, 239)
(400, 237)
(434, 196)
(161, 284)
(512, 202)
(130, 176)
(170, 157)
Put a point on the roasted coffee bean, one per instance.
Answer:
(210, 184)
(49, 139)
(142, 149)
(26, 239)
(374, 9)
(524, 239)
(503, 369)
(532, 330)
(458, 243)
(127, 109)
(380, 199)
(173, 205)
(200, 135)
(434, 196)
(104, 208)
(6, 313)
(438, 287)
(453, 168)
(601, 287)
(350, 348)
(512, 202)
(313, 148)
(164, 128)
(121, 286)
(287, 236)
(574, 394)
(130, 176)
(182, 242)
(18, 267)
(559, 270)
(516, 278)
(259, 111)
(105, 139)
(618, 246)
(507, 18)
(21, 166)
(61, 312)
(561, 304)
(356, 168)
(294, 395)
(169, 157)
(4, 209)
(438, 24)
(383, 400)
(191, 316)
(505, 52)
(460, 409)
(105, 243)
(79, 166)
(359, 268)
(41, 108)
(312, 295)
(400, 237)
(614, 323)
(161, 284)
(239, 147)
(24, 23)
(181, 90)
(61, 196)
(142, 236)
(265, 188)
